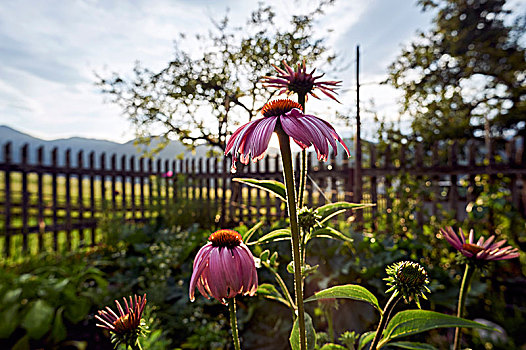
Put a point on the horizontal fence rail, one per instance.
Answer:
(59, 203)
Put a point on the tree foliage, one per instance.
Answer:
(201, 99)
(466, 77)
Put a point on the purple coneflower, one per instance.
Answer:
(483, 249)
(128, 321)
(224, 268)
(251, 140)
(299, 81)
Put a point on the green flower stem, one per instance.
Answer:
(233, 322)
(464, 288)
(330, 326)
(303, 169)
(136, 346)
(395, 298)
(283, 287)
(288, 175)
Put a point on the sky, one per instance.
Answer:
(51, 50)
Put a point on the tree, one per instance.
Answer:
(466, 77)
(203, 99)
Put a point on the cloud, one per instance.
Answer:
(50, 49)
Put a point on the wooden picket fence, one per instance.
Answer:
(59, 204)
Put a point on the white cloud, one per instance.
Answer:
(50, 49)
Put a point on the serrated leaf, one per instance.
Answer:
(247, 235)
(412, 345)
(331, 346)
(329, 210)
(276, 235)
(411, 322)
(275, 187)
(295, 334)
(329, 232)
(269, 291)
(365, 339)
(348, 291)
(37, 320)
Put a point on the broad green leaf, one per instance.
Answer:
(11, 296)
(9, 319)
(329, 232)
(272, 186)
(276, 235)
(410, 322)
(331, 346)
(348, 291)
(328, 210)
(246, 237)
(59, 332)
(269, 291)
(295, 334)
(365, 339)
(38, 318)
(78, 310)
(413, 346)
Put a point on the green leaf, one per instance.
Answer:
(269, 291)
(331, 346)
(9, 319)
(295, 334)
(246, 237)
(413, 346)
(11, 296)
(329, 232)
(38, 318)
(59, 332)
(365, 339)
(410, 322)
(22, 344)
(272, 186)
(78, 310)
(276, 235)
(348, 291)
(329, 210)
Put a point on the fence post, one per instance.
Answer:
(374, 185)
(40, 189)
(25, 198)
(92, 197)
(68, 199)
(453, 192)
(80, 198)
(7, 186)
(54, 194)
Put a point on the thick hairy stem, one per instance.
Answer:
(384, 318)
(303, 169)
(464, 288)
(288, 174)
(233, 322)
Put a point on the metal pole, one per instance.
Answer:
(357, 143)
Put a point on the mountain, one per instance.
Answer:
(173, 150)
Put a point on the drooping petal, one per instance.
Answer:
(199, 266)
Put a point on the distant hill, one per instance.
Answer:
(75, 144)
(173, 150)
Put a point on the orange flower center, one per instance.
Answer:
(225, 238)
(122, 324)
(279, 107)
(472, 248)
